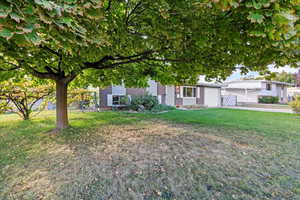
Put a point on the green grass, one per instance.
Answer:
(283, 126)
(22, 138)
(200, 154)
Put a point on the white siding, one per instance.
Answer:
(265, 92)
(170, 95)
(109, 100)
(189, 101)
(181, 92)
(152, 89)
(212, 97)
(159, 99)
(245, 84)
(118, 90)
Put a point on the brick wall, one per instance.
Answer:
(135, 91)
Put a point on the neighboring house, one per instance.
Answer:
(202, 94)
(249, 91)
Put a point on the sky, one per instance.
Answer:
(237, 75)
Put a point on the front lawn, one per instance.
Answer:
(204, 154)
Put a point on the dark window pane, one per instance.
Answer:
(189, 92)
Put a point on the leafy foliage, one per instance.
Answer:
(24, 97)
(295, 105)
(282, 77)
(79, 95)
(268, 99)
(132, 41)
(143, 102)
(208, 38)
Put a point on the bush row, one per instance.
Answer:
(146, 103)
(268, 99)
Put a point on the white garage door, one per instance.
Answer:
(170, 95)
(212, 97)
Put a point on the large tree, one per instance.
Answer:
(171, 41)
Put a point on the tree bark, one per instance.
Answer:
(26, 116)
(62, 121)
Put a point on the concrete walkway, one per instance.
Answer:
(261, 109)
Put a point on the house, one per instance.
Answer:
(249, 91)
(202, 94)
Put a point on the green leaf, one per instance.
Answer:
(257, 5)
(94, 13)
(33, 37)
(20, 40)
(5, 9)
(45, 4)
(255, 17)
(15, 17)
(29, 10)
(70, 1)
(28, 28)
(6, 33)
(280, 19)
(249, 4)
(66, 20)
(3, 14)
(257, 33)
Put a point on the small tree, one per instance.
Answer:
(22, 97)
(81, 96)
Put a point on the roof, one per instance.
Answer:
(263, 81)
(206, 84)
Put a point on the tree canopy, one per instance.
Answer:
(281, 77)
(172, 41)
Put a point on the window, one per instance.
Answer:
(118, 100)
(268, 86)
(189, 92)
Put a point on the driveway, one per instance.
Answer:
(282, 110)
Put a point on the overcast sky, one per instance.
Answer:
(237, 74)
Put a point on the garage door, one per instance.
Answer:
(212, 97)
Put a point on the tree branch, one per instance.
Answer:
(10, 69)
(42, 75)
(125, 60)
(50, 50)
(132, 12)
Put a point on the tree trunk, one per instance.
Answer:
(26, 116)
(61, 104)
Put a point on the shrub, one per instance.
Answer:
(162, 107)
(143, 102)
(125, 100)
(268, 99)
(295, 105)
